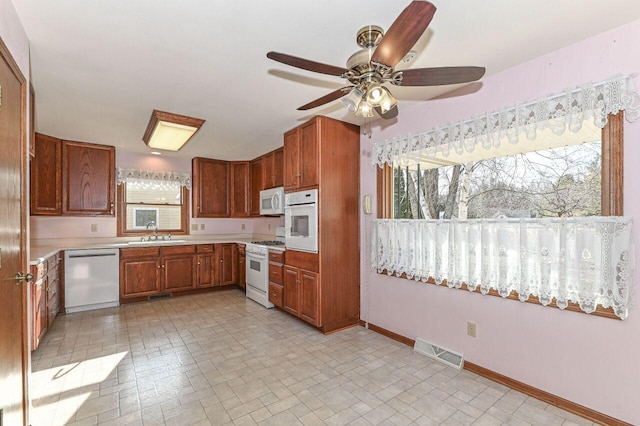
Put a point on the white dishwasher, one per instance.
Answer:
(91, 279)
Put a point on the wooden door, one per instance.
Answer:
(210, 188)
(240, 197)
(309, 306)
(227, 263)
(309, 159)
(46, 176)
(291, 296)
(278, 164)
(88, 179)
(256, 185)
(178, 273)
(205, 276)
(14, 345)
(291, 163)
(139, 277)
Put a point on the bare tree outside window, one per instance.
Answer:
(557, 182)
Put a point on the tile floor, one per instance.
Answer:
(218, 358)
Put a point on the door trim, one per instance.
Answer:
(26, 354)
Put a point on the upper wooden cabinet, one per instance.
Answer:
(256, 185)
(88, 179)
(210, 188)
(72, 178)
(301, 163)
(272, 169)
(240, 198)
(46, 176)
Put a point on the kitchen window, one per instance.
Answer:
(151, 201)
(558, 241)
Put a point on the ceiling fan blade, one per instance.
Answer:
(306, 64)
(439, 76)
(404, 33)
(392, 113)
(337, 94)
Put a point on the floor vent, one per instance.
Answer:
(160, 296)
(441, 354)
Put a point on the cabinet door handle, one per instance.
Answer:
(111, 211)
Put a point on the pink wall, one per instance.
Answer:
(586, 359)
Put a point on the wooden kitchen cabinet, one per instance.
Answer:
(276, 278)
(46, 176)
(256, 185)
(54, 290)
(226, 260)
(324, 288)
(72, 178)
(88, 179)
(210, 188)
(178, 268)
(240, 189)
(242, 266)
(272, 165)
(139, 272)
(205, 261)
(301, 294)
(301, 160)
(38, 303)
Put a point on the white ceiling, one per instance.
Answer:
(99, 67)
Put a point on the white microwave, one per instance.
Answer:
(272, 202)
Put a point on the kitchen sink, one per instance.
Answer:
(156, 242)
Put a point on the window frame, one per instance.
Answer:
(122, 230)
(612, 182)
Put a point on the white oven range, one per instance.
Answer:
(257, 265)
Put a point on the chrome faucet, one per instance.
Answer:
(155, 228)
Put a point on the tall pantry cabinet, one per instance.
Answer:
(323, 288)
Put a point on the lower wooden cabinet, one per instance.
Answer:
(205, 276)
(178, 266)
(149, 271)
(226, 259)
(46, 297)
(301, 294)
(242, 266)
(276, 278)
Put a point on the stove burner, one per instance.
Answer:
(268, 243)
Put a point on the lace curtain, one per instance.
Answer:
(154, 180)
(558, 112)
(589, 261)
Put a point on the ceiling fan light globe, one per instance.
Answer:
(375, 95)
(388, 101)
(364, 110)
(353, 100)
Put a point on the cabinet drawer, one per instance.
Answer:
(275, 294)
(276, 256)
(303, 260)
(171, 250)
(204, 248)
(130, 253)
(275, 272)
(53, 262)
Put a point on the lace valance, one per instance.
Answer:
(152, 178)
(566, 110)
(589, 261)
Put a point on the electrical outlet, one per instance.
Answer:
(94, 227)
(194, 226)
(471, 328)
(243, 226)
(202, 226)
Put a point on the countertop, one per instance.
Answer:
(41, 249)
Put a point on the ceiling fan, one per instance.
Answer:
(372, 66)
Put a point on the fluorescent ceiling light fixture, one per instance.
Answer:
(170, 131)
